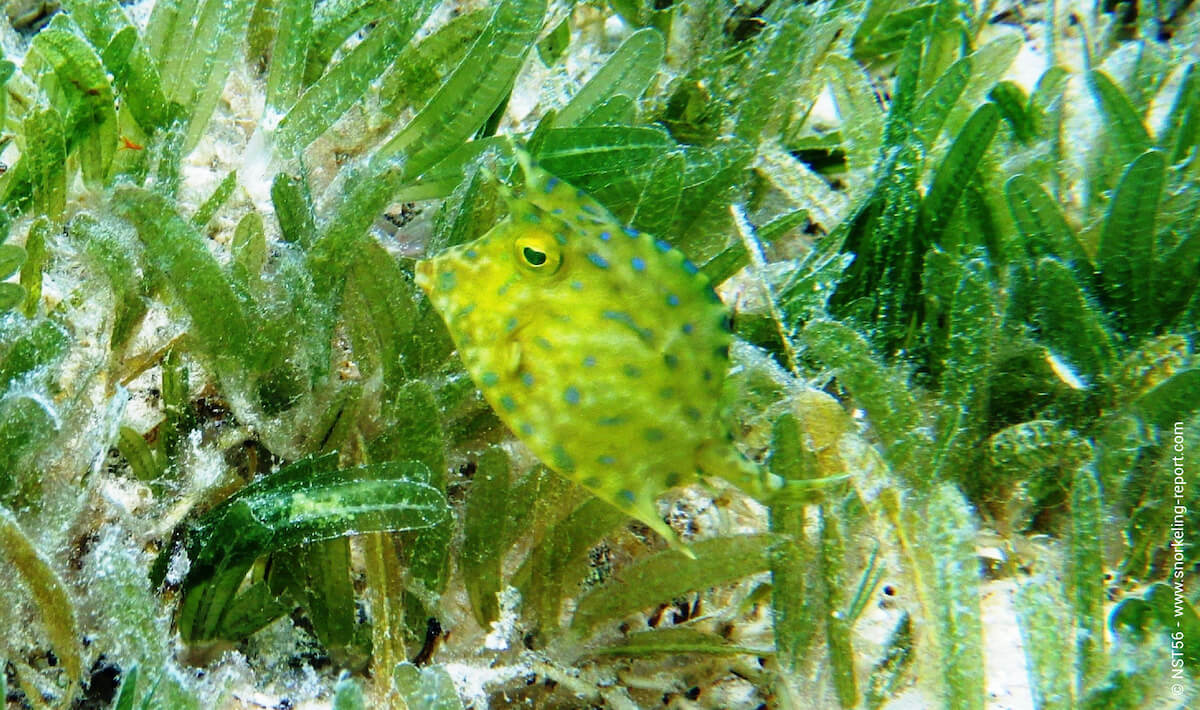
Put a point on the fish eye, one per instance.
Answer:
(533, 257)
(538, 253)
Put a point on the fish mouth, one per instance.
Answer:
(423, 275)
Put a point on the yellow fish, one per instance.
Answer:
(603, 349)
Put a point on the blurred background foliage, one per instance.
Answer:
(962, 245)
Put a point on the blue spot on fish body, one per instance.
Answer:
(630, 231)
(605, 236)
(551, 184)
(571, 395)
(638, 263)
(672, 299)
(662, 246)
(597, 260)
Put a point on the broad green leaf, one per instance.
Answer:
(84, 98)
(1128, 134)
(334, 22)
(988, 65)
(974, 332)
(11, 259)
(209, 208)
(1181, 128)
(38, 347)
(135, 75)
(669, 574)
(1173, 400)
(1010, 98)
(469, 96)
(659, 202)
(560, 559)
(628, 72)
(180, 254)
(1069, 323)
(1126, 256)
(337, 90)
(769, 92)
(426, 688)
(31, 270)
(942, 96)
(197, 81)
(1177, 277)
(1045, 231)
(292, 201)
(289, 54)
(955, 171)
(142, 461)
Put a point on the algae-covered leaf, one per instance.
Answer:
(304, 503)
(940, 99)
(943, 531)
(1085, 576)
(142, 460)
(768, 90)
(32, 570)
(1040, 613)
(859, 109)
(676, 641)
(26, 422)
(31, 270)
(658, 204)
(485, 538)
(628, 72)
(1010, 99)
(889, 404)
(124, 54)
(11, 258)
(416, 74)
(561, 558)
(669, 574)
(469, 96)
(426, 688)
(45, 161)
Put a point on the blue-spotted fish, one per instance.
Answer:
(603, 349)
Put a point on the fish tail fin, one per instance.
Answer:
(660, 526)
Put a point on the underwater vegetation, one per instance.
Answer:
(692, 353)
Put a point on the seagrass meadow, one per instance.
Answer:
(447, 354)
